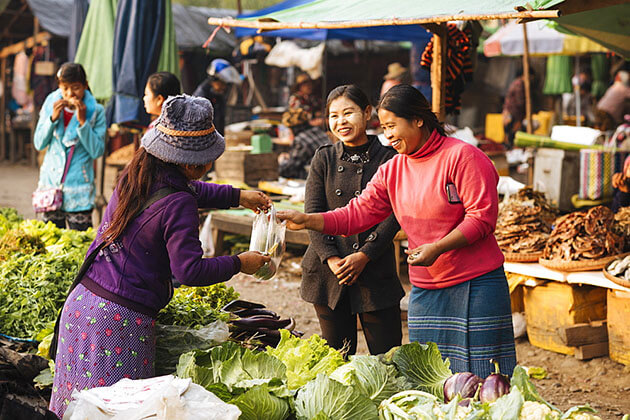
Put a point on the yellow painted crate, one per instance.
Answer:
(554, 305)
(618, 326)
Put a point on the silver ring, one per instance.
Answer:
(350, 275)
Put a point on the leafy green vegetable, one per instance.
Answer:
(411, 405)
(197, 306)
(520, 379)
(580, 412)
(33, 287)
(304, 359)
(258, 404)
(423, 367)
(16, 240)
(327, 397)
(507, 407)
(371, 377)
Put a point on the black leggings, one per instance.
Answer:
(80, 220)
(382, 328)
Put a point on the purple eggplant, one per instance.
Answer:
(495, 386)
(465, 384)
(253, 323)
(247, 312)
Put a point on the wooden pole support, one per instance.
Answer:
(438, 71)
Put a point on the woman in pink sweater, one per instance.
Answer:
(443, 193)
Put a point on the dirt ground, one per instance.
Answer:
(601, 382)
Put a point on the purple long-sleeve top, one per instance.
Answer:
(162, 242)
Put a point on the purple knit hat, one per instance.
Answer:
(184, 133)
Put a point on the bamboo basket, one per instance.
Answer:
(581, 265)
(615, 279)
(516, 257)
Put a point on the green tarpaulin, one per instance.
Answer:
(336, 11)
(609, 26)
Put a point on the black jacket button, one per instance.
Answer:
(357, 193)
(360, 170)
(340, 168)
(355, 246)
(338, 191)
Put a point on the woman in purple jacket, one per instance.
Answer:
(106, 330)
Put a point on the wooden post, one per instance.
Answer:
(239, 7)
(438, 71)
(528, 99)
(33, 151)
(5, 92)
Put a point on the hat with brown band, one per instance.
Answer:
(184, 132)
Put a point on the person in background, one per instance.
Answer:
(159, 87)
(615, 103)
(514, 108)
(107, 328)
(72, 126)
(220, 74)
(443, 193)
(346, 276)
(306, 140)
(396, 74)
(586, 103)
(621, 185)
(304, 98)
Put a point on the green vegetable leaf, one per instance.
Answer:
(578, 409)
(423, 367)
(508, 407)
(370, 376)
(327, 397)
(259, 404)
(304, 359)
(520, 379)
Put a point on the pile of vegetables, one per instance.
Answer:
(38, 261)
(307, 380)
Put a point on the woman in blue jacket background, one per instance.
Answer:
(70, 117)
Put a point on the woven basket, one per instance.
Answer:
(582, 265)
(615, 279)
(516, 257)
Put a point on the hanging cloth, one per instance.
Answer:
(459, 68)
(558, 79)
(599, 69)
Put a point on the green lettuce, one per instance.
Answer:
(325, 398)
(423, 367)
(259, 404)
(305, 359)
(520, 379)
(371, 377)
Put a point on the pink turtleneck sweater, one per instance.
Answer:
(414, 188)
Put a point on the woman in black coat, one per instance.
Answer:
(346, 276)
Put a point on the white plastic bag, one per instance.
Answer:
(161, 398)
(205, 236)
(268, 238)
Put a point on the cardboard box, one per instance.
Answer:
(242, 166)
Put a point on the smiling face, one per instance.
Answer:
(72, 91)
(405, 136)
(152, 102)
(348, 121)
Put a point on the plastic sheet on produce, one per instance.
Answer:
(160, 398)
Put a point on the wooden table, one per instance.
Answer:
(223, 223)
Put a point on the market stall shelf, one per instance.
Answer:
(516, 257)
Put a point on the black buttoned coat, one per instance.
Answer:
(331, 184)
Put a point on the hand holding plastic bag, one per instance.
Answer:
(268, 238)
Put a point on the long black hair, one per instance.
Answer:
(165, 84)
(352, 92)
(407, 102)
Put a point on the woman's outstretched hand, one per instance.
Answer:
(295, 220)
(254, 200)
(251, 261)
